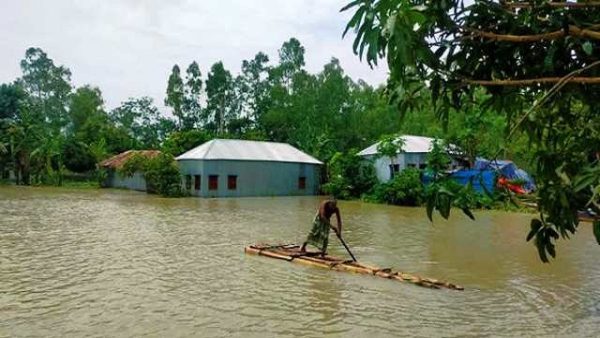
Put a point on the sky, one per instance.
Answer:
(128, 47)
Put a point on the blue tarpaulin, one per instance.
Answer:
(485, 173)
(507, 169)
(481, 180)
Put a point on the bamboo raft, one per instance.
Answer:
(291, 253)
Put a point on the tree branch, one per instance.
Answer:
(529, 82)
(553, 4)
(572, 31)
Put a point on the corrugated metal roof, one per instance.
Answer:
(242, 150)
(117, 161)
(412, 144)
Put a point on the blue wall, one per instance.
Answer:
(254, 178)
(115, 180)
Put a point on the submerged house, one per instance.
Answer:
(116, 180)
(227, 168)
(413, 155)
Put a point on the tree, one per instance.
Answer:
(193, 91)
(85, 104)
(255, 87)
(220, 99)
(291, 59)
(454, 48)
(181, 141)
(143, 122)
(11, 102)
(477, 130)
(40, 133)
(389, 146)
(350, 176)
(176, 95)
(89, 123)
(48, 87)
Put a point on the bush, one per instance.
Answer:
(161, 173)
(350, 176)
(162, 176)
(405, 188)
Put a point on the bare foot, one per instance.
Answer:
(303, 248)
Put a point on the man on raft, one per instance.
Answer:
(319, 234)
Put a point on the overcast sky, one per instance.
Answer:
(127, 47)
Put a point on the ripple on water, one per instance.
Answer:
(116, 263)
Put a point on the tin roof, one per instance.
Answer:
(242, 150)
(117, 161)
(412, 144)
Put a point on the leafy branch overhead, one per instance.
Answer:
(516, 50)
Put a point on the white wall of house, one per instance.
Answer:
(414, 154)
(402, 160)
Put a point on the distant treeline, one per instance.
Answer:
(48, 127)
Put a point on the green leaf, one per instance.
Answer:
(587, 48)
(563, 176)
(536, 224)
(551, 250)
(444, 205)
(468, 212)
(583, 182)
(597, 230)
(350, 5)
(429, 207)
(355, 20)
(540, 244)
(390, 24)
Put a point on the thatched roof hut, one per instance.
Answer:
(119, 160)
(116, 180)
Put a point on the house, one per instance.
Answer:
(227, 168)
(116, 180)
(413, 155)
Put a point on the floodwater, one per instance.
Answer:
(119, 263)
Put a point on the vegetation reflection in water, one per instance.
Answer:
(123, 263)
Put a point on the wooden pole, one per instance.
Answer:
(345, 246)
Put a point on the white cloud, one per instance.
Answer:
(127, 47)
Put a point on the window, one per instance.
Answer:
(411, 165)
(213, 182)
(231, 182)
(188, 182)
(394, 168)
(197, 182)
(422, 165)
(302, 183)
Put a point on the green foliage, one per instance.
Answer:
(135, 163)
(162, 176)
(434, 44)
(221, 102)
(100, 175)
(254, 87)
(442, 193)
(181, 141)
(175, 94)
(389, 146)
(48, 87)
(349, 176)
(160, 172)
(192, 108)
(405, 188)
(142, 122)
(78, 157)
